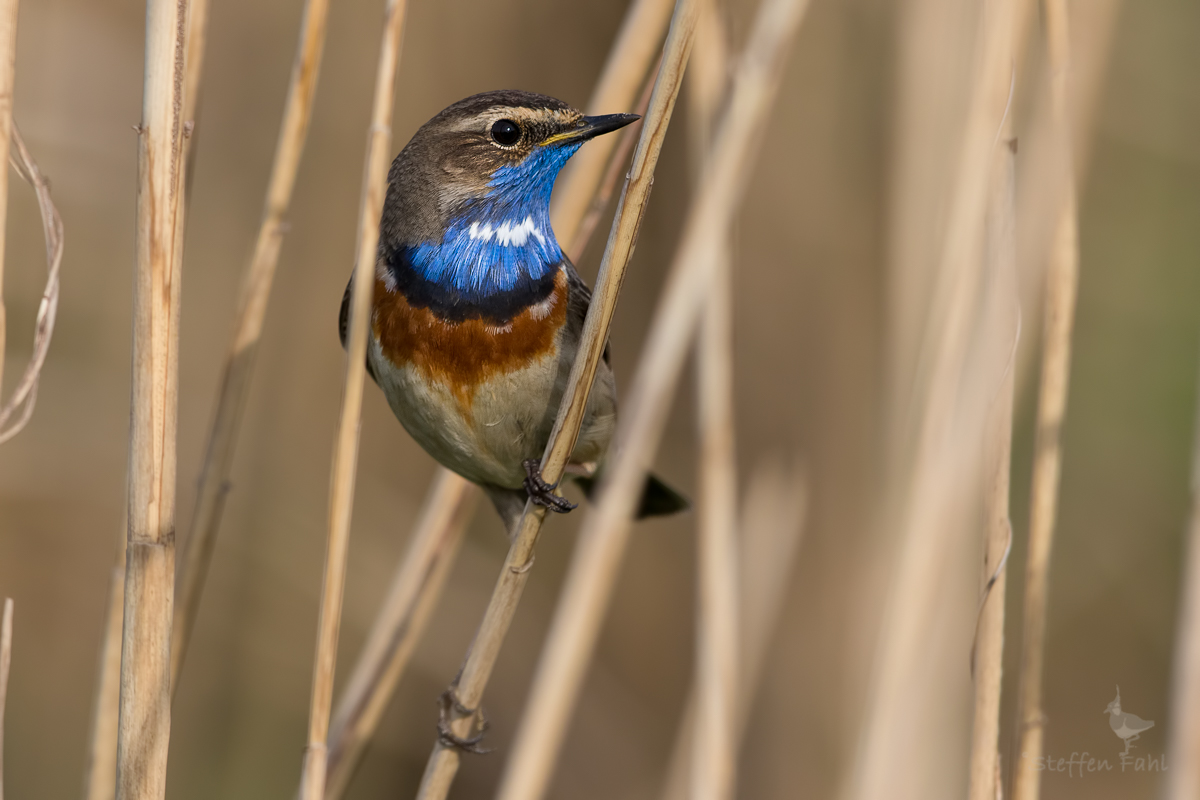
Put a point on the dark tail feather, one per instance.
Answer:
(658, 499)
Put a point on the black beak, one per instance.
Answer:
(590, 127)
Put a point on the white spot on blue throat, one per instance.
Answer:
(503, 238)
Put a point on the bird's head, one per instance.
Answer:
(1115, 706)
(469, 196)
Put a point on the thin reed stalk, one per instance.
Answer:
(100, 773)
(243, 348)
(714, 755)
(597, 557)
(940, 483)
(623, 73)
(145, 707)
(23, 398)
(1183, 746)
(1062, 278)
(770, 528)
(988, 656)
(466, 693)
(345, 456)
(8, 68)
(5, 663)
(399, 625)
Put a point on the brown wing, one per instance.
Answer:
(579, 298)
(344, 324)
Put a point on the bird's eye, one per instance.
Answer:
(505, 132)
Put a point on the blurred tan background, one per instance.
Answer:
(816, 249)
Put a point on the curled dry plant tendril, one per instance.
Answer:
(16, 412)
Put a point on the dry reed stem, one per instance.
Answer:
(1062, 278)
(714, 755)
(628, 61)
(988, 656)
(948, 421)
(145, 713)
(5, 663)
(8, 67)
(100, 773)
(239, 360)
(616, 166)
(770, 528)
(1183, 779)
(602, 540)
(467, 691)
(399, 624)
(345, 456)
(25, 395)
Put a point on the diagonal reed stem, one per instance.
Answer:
(239, 360)
(345, 456)
(467, 691)
(1062, 279)
(145, 705)
(602, 540)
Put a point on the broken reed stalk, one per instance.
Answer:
(345, 456)
(770, 529)
(1000, 298)
(1183, 780)
(8, 67)
(1062, 279)
(622, 76)
(602, 540)
(24, 396)
(145, 713)
(5, 663)
(240, 357)
(399, 625)
(939, 484)
(714, 754)
(466, 693)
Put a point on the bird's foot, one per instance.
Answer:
(541, 492)
(449, 706)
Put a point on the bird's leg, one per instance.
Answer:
(448, 703)
(541, 492)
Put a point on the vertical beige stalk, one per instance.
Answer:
(1183, 753)
(1002, 314)
(771, 526)
(481, 658)
(939, 483)
(630, 58)
(5, 662)
(714, 753)
(252, 306)
(399, 625)
(145, 715)
(8, 65)
(1062, 278)
(345, 455)
(100, 774)
(602, 540)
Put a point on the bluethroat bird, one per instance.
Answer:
(477, 313)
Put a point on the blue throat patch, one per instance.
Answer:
(503, 239)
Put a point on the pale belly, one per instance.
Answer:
(487, 433)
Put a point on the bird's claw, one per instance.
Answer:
(470, 744)
(541, 492)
